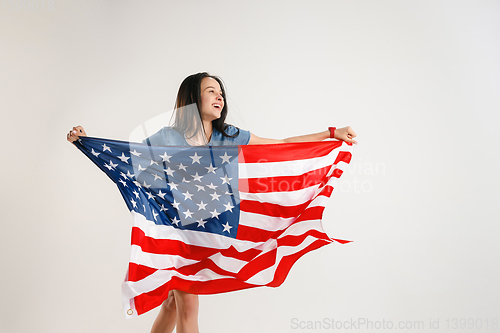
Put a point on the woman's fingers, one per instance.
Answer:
(75, 133)
(79, 131)
(72, 138)
(347, 139)
(347, 134)
(351, 132)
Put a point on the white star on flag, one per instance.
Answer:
(165, 157)
(104, 148)
(227, 227)
(124, 158)
(196, 158)
(225, 158)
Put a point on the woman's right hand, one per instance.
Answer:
(345, 134)
(75, 134)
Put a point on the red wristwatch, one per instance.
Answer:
(332, 132)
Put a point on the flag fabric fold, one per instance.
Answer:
(209, 219)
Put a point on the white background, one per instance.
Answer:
(418, 81)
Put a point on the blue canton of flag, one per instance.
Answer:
(188, 187)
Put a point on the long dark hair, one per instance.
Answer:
(190, 94)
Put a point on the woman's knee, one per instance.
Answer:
(169, 303)
(187, 304)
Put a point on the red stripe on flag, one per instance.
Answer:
(253, 234)
(326, 191)
(311, 213)
(295, 240)
(341, 241)
(337, 173)
(138, 272)
(286, 183)
(148, 301)
(293, 151)
(287, 262)
(175, 247)
(343, 156)
(257, 265)
(271, 209)
(276, 210)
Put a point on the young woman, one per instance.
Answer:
(201, 110)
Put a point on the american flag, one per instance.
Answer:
(209, 219)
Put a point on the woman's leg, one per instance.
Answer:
(165, 321)
(187, 312)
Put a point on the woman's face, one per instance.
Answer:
(212, 101)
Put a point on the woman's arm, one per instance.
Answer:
(345, 134)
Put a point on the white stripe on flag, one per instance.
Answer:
(291, 198)
(286, 168)
(266, 276)
(190, 237)
(302, 227)
(226, 263)
(159, 278)
(264, 222)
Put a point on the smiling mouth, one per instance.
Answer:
(217, 106)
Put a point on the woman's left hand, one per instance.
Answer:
(345, 134)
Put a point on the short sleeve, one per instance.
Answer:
(218, 139)
(243, 137)
(166, 137)
(160, 138)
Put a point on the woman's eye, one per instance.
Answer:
(213, 91)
